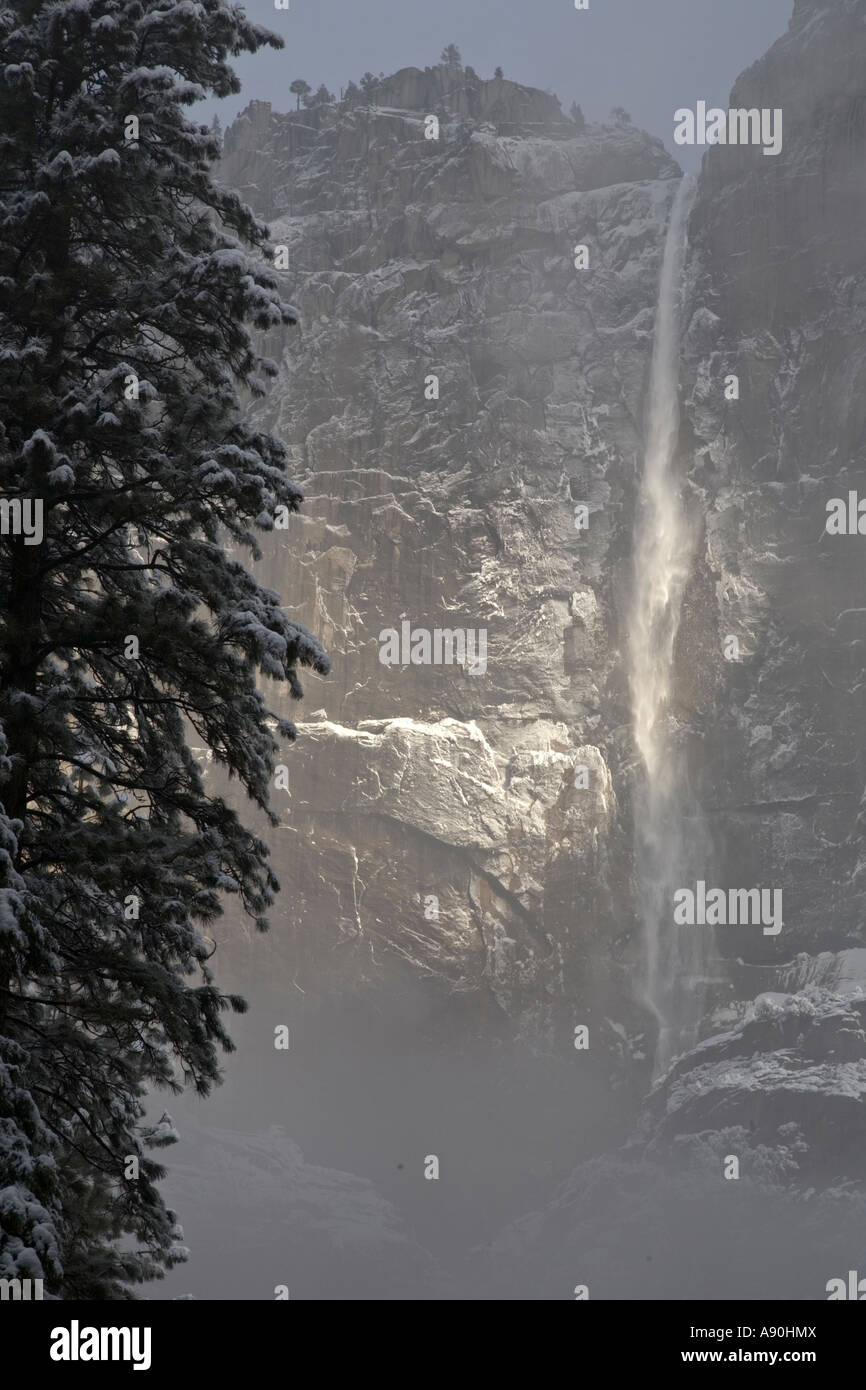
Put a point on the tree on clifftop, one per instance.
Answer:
(369, 86)
(300, 88)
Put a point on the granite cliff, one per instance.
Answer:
(468, 824)
(465, 404)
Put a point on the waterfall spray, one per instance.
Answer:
(663, 549)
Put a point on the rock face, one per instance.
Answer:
(778, 299)
(798, 1062)
(480, 843)
(463, 408)
(463, 403)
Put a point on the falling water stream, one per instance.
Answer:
(663, 550)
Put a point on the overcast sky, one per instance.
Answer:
(650, 56)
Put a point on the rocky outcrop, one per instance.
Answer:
(796, 1065)
(491, 874)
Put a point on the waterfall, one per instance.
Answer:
(663, 550)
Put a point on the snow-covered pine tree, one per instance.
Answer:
(133, 630)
